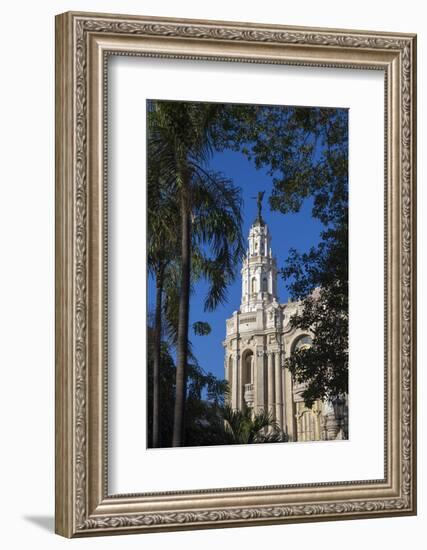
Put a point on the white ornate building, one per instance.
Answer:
(259, 338)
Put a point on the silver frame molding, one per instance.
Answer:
(83, 43)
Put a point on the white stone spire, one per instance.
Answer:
(259, 270)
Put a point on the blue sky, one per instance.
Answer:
(298, 231)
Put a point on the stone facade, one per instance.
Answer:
(259, 338)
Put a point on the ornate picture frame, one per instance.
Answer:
(83, 43)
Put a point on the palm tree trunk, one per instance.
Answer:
(157, 355)
(183, 319)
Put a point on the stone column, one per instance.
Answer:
(235, 382)
(278, 384)
(270, 383)
(240, 379)
(331, 423)
(284, 399)
(259, 397)
(290, 408)
(316, 417)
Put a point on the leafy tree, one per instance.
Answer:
(303, 149)
(205, 399)
(323, 366)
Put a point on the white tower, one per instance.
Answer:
(259, 270)
(254, 340)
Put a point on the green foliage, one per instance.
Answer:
(205, 398)
(162, 218)
(201, 328)
(304, 150)
(323, 366)
(245, 427)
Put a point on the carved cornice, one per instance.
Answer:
(237, 33)
(243, 514)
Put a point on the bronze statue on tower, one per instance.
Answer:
(259, 204)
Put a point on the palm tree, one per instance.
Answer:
(246, 427)
(163, 264)
(162, 246)
(179, 135)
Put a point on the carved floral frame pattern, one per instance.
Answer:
(82, 510)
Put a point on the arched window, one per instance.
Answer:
(247, 367)
(264, 284)
(303, 342)
(253, 285)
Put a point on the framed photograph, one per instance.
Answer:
(235, 274)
